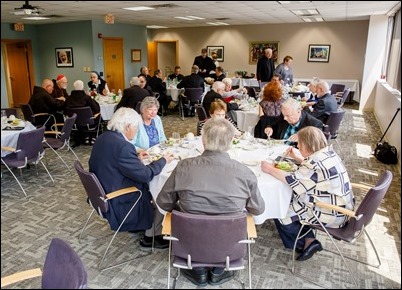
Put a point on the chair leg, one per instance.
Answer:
(85, 225)
(15, 177)
(111, 241)
(48, 173)
(58, 155)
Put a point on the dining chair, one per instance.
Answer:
(99, 201)
(86, 124)
(341, 98)
(359, 220)
(208, 241)
(29, 150)
(332, 125)
(39, 119)
(337, 88)
(190, 97)
(63, 269)
(61, 139)
(201, 114)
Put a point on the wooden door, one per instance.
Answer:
(152, 56)
(19, 73)
(113, 56)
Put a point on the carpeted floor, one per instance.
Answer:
(60, 210)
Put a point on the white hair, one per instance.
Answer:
(134, 81)
(78, 85)
(148, 102)
(217, 134)
(227, 81)
(218, 85)
(123, 117)
(291, 103)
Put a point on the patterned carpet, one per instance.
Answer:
(60, 210)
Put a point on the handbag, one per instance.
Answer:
(384, 152)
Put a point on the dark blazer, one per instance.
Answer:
(191, 81)
(265, 69)
(157, 85)
(179, 77)
(324, 107)
(80, 99)
(131, 96)
(204, 63)
(210, 97)
(116, 164)
(279, 127)
(42, 102)
(58, 92)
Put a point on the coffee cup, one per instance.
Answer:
(190, 136)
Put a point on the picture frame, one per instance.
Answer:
(218, 49)
(135, 55)
(256, 50)
(318, 52)
(64, 57)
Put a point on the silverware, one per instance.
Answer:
(198, 150)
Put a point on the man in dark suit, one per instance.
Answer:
(158, 85)
(204, 63)
(326, 103)
(118, 165)
(292, 119)
(218, 88)
(176, 75)
(80, 99)
(133, 94)
(193, 80)
(265, 67)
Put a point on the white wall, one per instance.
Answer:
(386, 102)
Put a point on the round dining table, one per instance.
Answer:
(275, 193)
(9, 137)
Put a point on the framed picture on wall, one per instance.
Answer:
(218, 50)
(135, 55)
(318, 52)
(256, 50)
(64, 57)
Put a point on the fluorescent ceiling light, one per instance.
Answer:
(184, 18)
(195, 17)
(139, 8)
(155, 26)
(305, 12)
(306, 19)
(217, 23)
(35, 18)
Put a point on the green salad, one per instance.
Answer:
(285, 166)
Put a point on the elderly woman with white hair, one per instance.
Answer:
(229, 94)
(116, 163)
(150, 130)
(79, 98)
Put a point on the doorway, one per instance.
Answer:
(114, 63)
(163, 55)
(19, 72)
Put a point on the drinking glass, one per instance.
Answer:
(176, 138)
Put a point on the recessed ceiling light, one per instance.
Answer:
(195, 17)
(139, 8)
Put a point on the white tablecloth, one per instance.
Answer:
(9, 138)
(352, 84)
(275, 193)
(241, 82)
(248, 118)
(107, 106)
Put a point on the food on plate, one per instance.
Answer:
(154, 157)
(285, 166)
(236, 141)
(169, 142)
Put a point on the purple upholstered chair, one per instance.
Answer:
(29, 150)
(63, 269)
(99, 201)
(355, 227)
(61, 139)
(208, 241)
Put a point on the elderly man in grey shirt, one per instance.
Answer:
(212, 184)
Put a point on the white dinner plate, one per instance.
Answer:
(249, 147)
(251, 162)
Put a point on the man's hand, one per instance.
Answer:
(143, 154)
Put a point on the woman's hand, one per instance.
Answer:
(268, 131)
(295, 154)
(267, 167)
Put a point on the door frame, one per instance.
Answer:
(4, 43)
(153, 53)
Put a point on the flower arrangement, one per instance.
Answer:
(241, 73)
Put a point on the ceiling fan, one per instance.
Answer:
(27, 9)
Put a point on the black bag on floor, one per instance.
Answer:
(385, 152)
